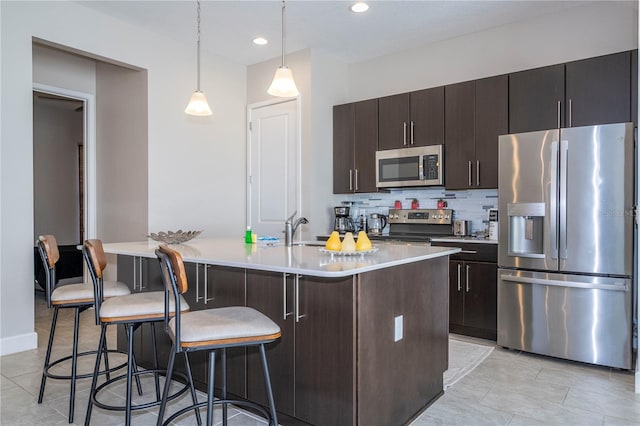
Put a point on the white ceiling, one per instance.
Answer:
(228, 27)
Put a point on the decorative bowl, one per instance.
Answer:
(177, 237)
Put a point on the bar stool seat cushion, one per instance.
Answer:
(83, 291)
(225, 324)
(138, 305)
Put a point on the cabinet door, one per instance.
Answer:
(480, 298)
(226, 287)
(366, 144)
(459, 132)
(427, 117)
(324, 343)
(456, 295)
(533, 99)
(598, 90)
(266, 293)
(492, 120)
(343, 127)
(393, 116)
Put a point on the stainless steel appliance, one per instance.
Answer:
(343, 222)
(565, 250)
(416, 166)
(461, 228)
(377, 222)
(419, 225)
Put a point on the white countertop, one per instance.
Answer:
(303, 260)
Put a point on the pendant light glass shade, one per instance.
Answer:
(283, 85)
(198, 104)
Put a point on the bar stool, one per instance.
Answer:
(211, 330)
(132, 310)
(78, 297)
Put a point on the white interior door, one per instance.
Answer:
(274, 164)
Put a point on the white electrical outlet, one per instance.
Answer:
(398, 332)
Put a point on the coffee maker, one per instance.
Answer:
(343, 222)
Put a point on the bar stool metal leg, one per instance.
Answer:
(127, 418)
(167, 384)
(194, 396)
(224, 386)
(156, 375)
(94, 381)
(47, 358)
(267, 384)
(210, 387)
(74, 363)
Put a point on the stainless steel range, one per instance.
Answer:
(418, 225)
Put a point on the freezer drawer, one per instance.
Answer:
(576, 317)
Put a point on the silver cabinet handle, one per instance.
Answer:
(140, 272)
(469, 251)
(404, 133)
(412, 138)
(558, 114)
(477, 172)
(570, 112)
(285, 314)
(469, 172)
(356, 179)
(459, 267)
(350, 179)
(206, 284)
(297, 285)
(467, 279)
(197, 282)
(135, 276)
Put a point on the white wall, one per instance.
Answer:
(570, 34)
(195, 165)
(321, 80)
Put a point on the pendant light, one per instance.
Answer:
(283, 84)
(198, 104)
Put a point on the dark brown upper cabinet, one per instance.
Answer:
(535, 99)
(355, 142)
(411, 119)
(476, 113)
(581, 93)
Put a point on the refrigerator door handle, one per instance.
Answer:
(558, 283)
(564, 154)
(553, 202)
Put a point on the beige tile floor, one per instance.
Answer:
(507, 388)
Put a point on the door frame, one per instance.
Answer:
(298, 126)
(89, 141)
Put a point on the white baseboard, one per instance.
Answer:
(23, 342)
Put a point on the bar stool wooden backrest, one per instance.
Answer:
(97, 262)
(48, 248)
(175, 279)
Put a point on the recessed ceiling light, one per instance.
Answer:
(260, 41)
(359, 7)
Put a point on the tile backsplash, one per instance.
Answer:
(470, 205)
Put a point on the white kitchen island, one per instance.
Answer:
(364, 337)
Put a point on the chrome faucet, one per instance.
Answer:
(290, 228)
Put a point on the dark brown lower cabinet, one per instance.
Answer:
(311, 368)
(473, 298)
(340, 360)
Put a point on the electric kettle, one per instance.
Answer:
(377, 222)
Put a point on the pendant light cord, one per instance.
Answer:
(198, 50)
(283, 35)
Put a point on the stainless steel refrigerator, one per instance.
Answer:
(565, 254)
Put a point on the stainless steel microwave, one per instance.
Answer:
(416, 166)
